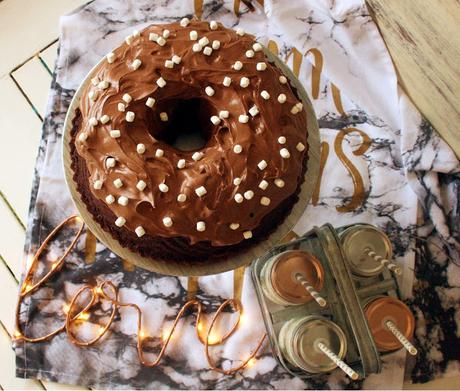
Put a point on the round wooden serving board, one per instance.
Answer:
(210, 266)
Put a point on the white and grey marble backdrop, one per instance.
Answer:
(406, 170)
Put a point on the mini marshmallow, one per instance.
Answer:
(136, 33)
(264, 94)
(197, 47)
(243, 118)
(263, 184)
(203, 41)
(83, 137)
(136, 64)
(127, 98)
(140, 148)
(244, 82)
(248, 194)
(97, 184)
(261, 66)
(163, 187)
(239, 198)
(121, 107)
(110, 199)
(153, 37)
(215, 120)
(141, 185)
(176, 59)
(201, 226)
(227, 81)
(161, 41)
(237, 149)
(240, 32)
(294, 110)
(265, 201)
(115, 133)
(166, 33)
(300, 147)
(167, 221)
(120, 221)
(92, 95)
(282, 79)
(247, 234)
(282, 140)
(181, 163)
(110, 162)
(224, 114)
(130, 116)
(213, 25)
(104, 119)
(249, 53)
(234, 226)
(299, 106)
(110, 57)
(279, 183)
(254, 111)
(164, 116)
(103, 84)
(285, 153)
(181, 197)
(159, 153)
(193, 35)
(161, 82)
(215, 44)
(281, 98)
(262, 165)
(95, 81)
(197, 156)
(140, 231)
(257, 47)
(123, 200)
(150, 102)
(201, 191)
(238, 65)
(237, 181)
(169, 64)
(184, 22)
(209, 91)
(207, 51)
(118, 183)
(129, 39)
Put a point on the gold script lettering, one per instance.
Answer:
(358, 193)
(322, 164)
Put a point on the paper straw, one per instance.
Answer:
(401, 338)
(306, 284)
(385, 262)
(341, 364)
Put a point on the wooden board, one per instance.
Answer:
(423, 39)
(185, 268)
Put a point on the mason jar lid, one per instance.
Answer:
(284, 269)
(357, 241)
(385, 308)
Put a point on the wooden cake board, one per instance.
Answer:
(211, 266)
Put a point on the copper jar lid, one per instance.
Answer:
(357, 241)
(382, 309)
(283, 275)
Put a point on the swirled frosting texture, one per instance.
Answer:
(226, 221)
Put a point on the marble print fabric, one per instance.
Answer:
(411, 186)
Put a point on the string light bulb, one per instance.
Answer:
(213, 338)
(141, 334)
(17, 334)
(83, 316)
(65, 308)
(251, 362)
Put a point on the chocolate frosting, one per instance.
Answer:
(220, 164)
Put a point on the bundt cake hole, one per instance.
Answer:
(188, 127)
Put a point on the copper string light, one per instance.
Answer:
(81, 312)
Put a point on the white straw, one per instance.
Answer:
(306, 284)
(341, 364)
(401, 338)
(385, 262)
